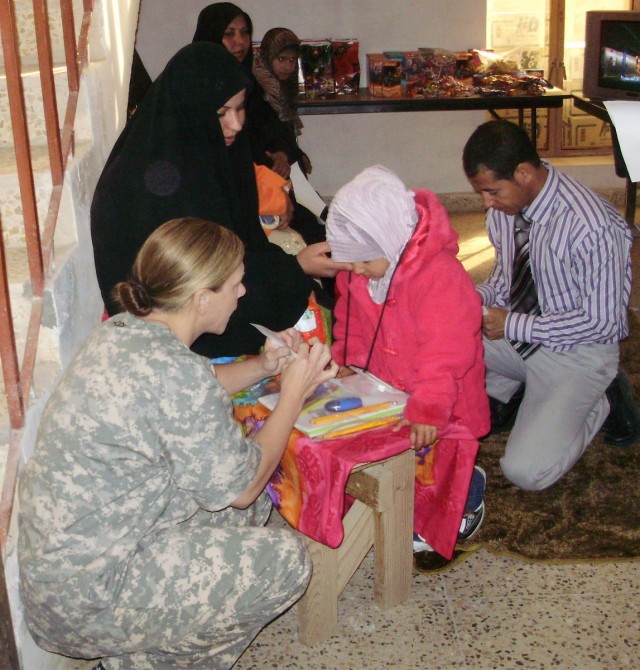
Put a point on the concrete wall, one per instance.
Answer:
(423, 148)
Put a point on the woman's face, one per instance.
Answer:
(224, 301)
(231, 116)
(237, 38)
(285, 64)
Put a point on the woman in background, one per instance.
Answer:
(184, 153)
(277, 74)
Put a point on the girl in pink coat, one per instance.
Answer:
(409, 313)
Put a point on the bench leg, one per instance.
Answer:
(393, 543)
(318, 608)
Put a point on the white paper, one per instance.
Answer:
(625, 117)
(306, 195)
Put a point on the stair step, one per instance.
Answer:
(27, 44)
(10, 201)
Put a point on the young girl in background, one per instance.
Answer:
(409, 313)
(277, 74)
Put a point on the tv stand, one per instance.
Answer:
(596, 108)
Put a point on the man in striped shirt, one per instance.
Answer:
(563, 352)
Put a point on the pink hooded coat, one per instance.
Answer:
(429, 345)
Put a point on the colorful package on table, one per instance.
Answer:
(346, 66)
(385, 76)
(316, 61)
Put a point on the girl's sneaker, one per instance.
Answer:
(419, 544)
(474, 509)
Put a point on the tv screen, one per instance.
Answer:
(612, 55)
(620, 55)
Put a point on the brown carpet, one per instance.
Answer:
(591, 513)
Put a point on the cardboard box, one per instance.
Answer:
(317, 68)
(346, 65)
(385, 76)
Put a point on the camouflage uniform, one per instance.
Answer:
(128, 547)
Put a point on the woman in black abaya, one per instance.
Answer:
(172, 161)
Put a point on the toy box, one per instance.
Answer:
(385, 76)
(316, 61)
(346, 65)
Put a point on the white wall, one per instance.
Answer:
(424, 148)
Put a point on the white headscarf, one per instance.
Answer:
(371, 217)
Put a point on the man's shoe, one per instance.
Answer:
(503, 414)
(99, 667)
(622, 426)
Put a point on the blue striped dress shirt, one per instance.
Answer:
(581, 262)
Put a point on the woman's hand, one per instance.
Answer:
(311, 367)
(345, 371)
(285, 219)
(315, 261)
(422, 434)
(273, 358)
(280, 163)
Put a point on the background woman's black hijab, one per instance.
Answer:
(170, 161)
(214, 19)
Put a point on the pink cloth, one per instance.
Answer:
(310, 490)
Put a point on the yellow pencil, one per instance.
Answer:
(338, 416)
(363, 426)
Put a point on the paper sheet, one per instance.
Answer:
(306, 195)
(625, 117)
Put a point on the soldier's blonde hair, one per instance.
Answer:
(179, 258)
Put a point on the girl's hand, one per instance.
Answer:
(421, 435)
(273, 358)
(344, 372)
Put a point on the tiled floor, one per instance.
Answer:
(487, 612)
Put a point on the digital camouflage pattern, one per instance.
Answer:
(128, 548)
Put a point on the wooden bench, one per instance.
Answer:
(382, 517)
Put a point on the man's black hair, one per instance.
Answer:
(499, 146)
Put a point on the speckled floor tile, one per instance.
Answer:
(505, 575)
(548, 631)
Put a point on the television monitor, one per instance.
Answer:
(612, 56)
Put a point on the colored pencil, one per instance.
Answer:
(363, 426)
(339, 416)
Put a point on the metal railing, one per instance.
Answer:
(39, 239)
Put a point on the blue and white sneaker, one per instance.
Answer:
(474, 508)
(419, 544)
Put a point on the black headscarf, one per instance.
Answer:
(214, 19)
(171, 161)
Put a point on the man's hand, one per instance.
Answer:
(493, 322)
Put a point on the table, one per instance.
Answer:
(596, 108)
(365, 103)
